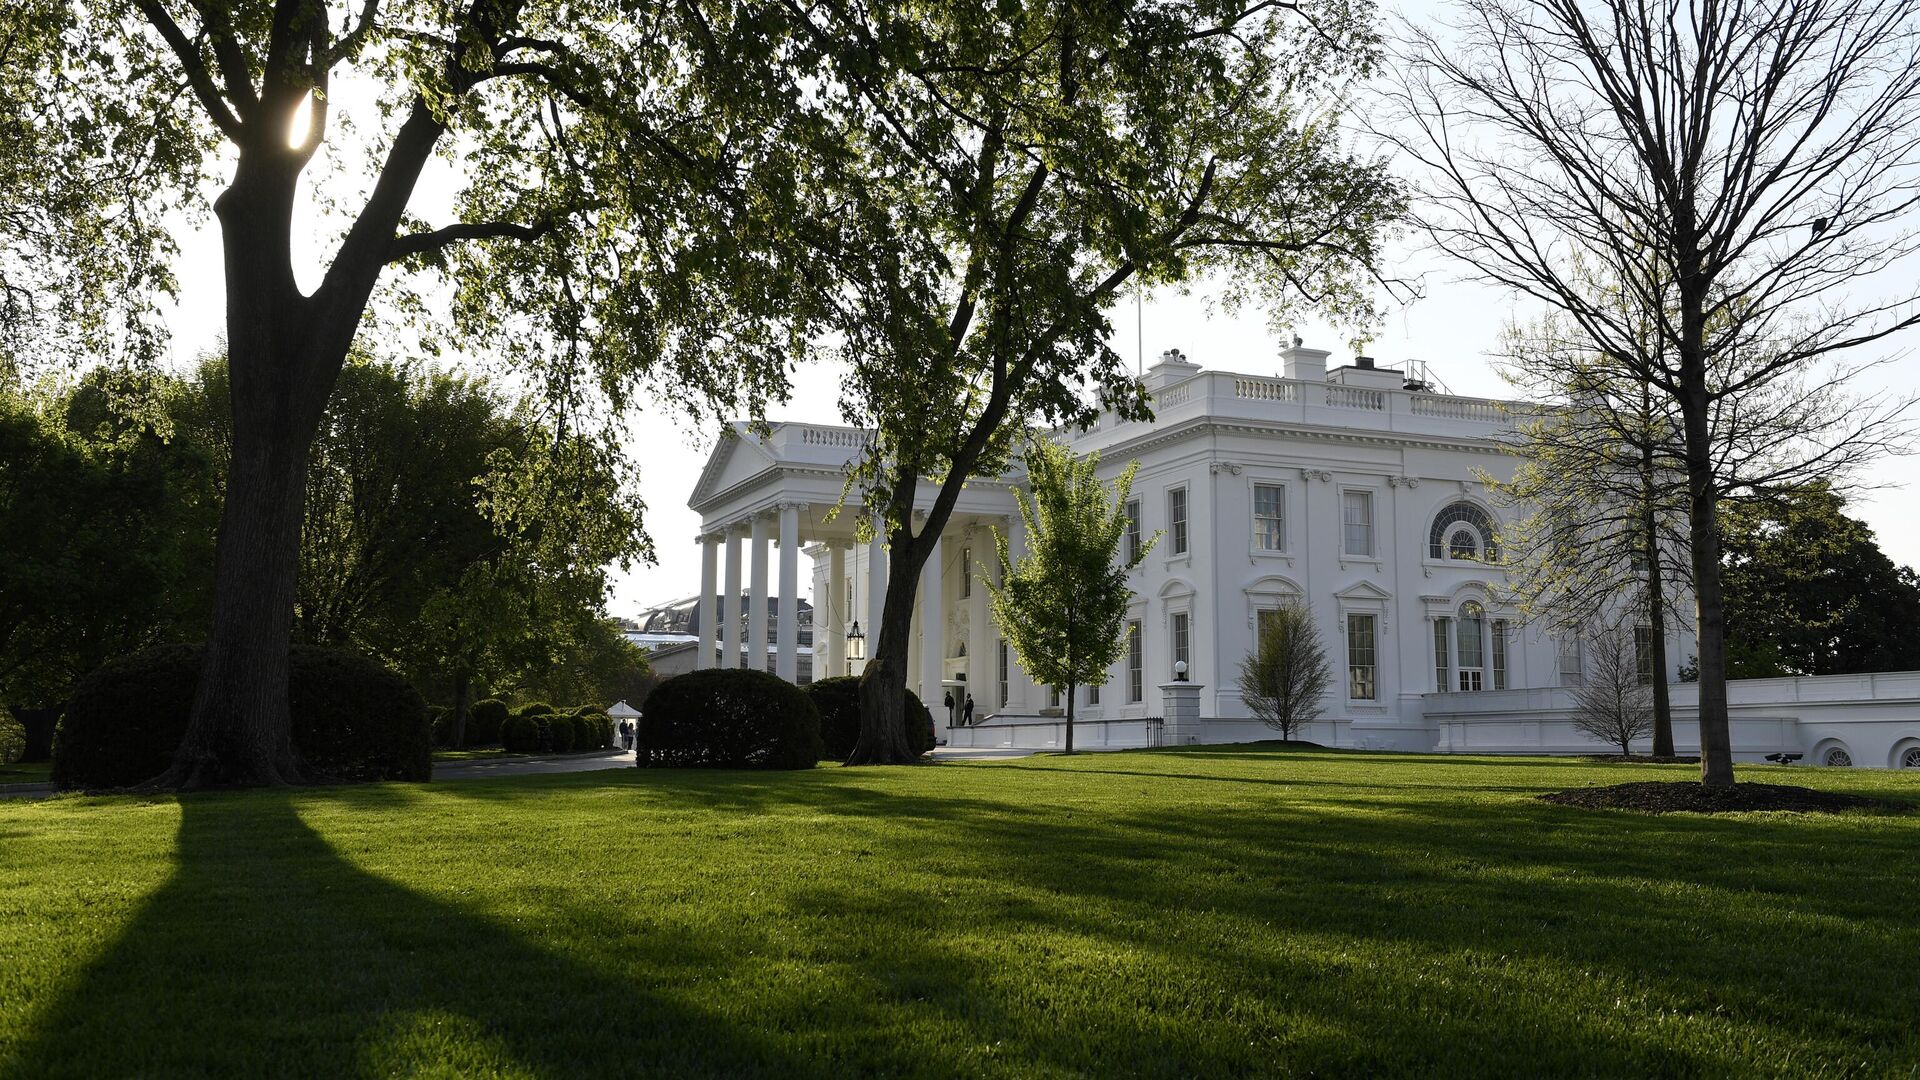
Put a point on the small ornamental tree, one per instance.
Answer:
(1613, 703)
(1285, 678)
(1063, 607)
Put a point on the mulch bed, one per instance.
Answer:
(1657, 797)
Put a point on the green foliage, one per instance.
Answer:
(105, 534)
(561, 733)
(536, 708)
(729, 718)
(13, 739)
(484, 718)
(520, 734)
(837, 700)
(440, 719)
(352, 718)
(1063, 608)
(1809, 592)
(1285, 680)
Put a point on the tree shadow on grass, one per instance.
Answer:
(268, 954)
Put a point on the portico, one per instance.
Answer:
(767, 497)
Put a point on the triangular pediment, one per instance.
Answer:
(737, 456)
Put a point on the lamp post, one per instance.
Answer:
(1179, 671)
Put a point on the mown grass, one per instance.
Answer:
(1217, 912)
(25, 772)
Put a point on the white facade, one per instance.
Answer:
(1356, 491)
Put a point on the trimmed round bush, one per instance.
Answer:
(352, 718)
(534, 708)
(13, 738)
(729, 718)
(520, 734)
(560, 733)
(484, 718)
(586, 734)
(838, 701)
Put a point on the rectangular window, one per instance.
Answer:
(966, 572)
(1003, 672)
(1499, 654)
(1177, 520)
(1136, 665)
(1442, 662)
(1572, 671)
(1269, 517)
(1261, 620)
(1643, 653)
(1361, 662)
(1133, 529)
(1356, 514)
(1093, 695)
(1181, 623)
(1053, 697)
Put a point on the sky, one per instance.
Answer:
(1452, 326)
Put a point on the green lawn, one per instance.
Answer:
(1216, 912)
(21, 772)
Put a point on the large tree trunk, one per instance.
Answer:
(457, 722)
(1070, 689)
(883, 687)
(1703, 529)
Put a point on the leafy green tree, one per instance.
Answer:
(1063, 607)
(622, 191)
(1809, 592)
(104, 535)
(1285, 678)
(1004, 172)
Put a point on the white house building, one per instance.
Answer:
(1357, 490)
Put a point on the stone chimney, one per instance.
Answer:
(1172, 367)
(1309, 365)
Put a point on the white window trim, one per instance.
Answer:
(1373, 511)
(1381, 610)
(1136, 613)
(1166, 506)
(1288, 518)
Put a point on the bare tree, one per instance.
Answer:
(1614, 701)
(1286, 677)
(1694, 185)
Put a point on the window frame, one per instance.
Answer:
(1136, 662)
(1258, 539)
(1373, 533)
(1373, 658)
(1133, 534)
(1179, 528)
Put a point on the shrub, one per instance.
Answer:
(730, 718)
(535, 708)
(587, 734)
(560, 733)
(520, 734)
(13, 739)
(484, 718)
(838, 701)
(352, 718)
(588, 710)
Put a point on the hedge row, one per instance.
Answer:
(352, 718)
(729, 718)
(530, 733)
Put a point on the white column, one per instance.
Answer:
(730, 602)
(876, 585)
(709, 619)
(1020, 696)
(757, 600)
(787, 660)
(983, 675)
(830, 635)
(933, 629)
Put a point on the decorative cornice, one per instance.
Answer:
(1403, 481)
(1321, 475)
(1232, 467)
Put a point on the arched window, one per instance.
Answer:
(1462, 531)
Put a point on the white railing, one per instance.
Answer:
(848, 437)
(1173, 395)
(1254, 389)
(1453, 408)
(1356, 397)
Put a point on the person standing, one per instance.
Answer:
(966, 713)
